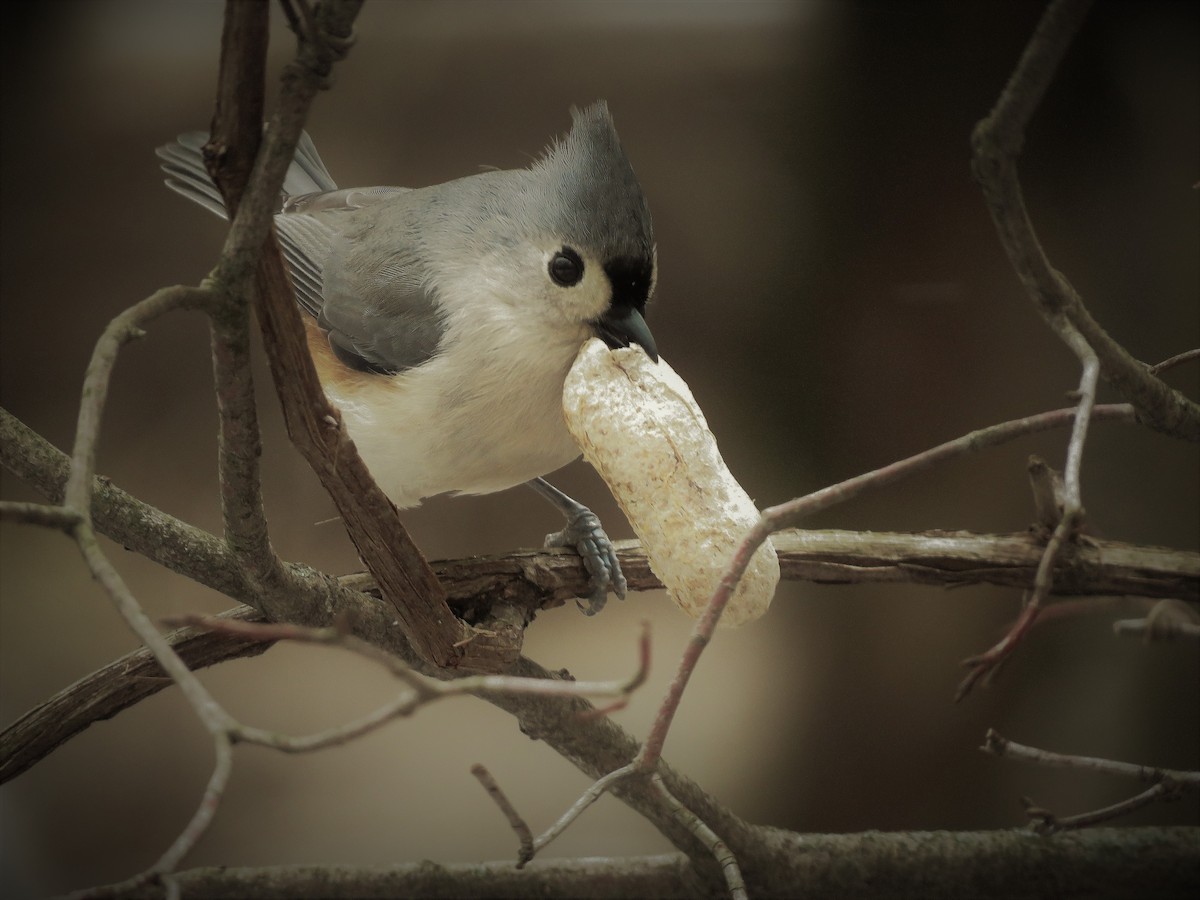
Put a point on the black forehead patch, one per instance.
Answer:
(631, 279)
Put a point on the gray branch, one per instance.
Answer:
(525, 581)
(1102, 863)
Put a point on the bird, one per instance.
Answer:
(442, 320)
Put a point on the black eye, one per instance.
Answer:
(566, 268)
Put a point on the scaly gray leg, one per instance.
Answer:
(585, 534)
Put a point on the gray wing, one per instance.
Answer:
(356, 269)
(373, 306)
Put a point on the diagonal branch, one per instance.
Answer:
(251, 260)
(1165, 784)
(1065, 530)
(794, 511)
(229, 156)
(984, 865)
(997, 142)
(124, 328)
(538, 578)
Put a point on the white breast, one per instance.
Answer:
(482, 416)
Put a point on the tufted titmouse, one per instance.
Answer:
(443, 320)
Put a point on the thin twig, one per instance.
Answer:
(81, 481)
(214, 718)
(983, 865)
(518, 824)
(1080, 607)
(998, 745)
(213, 792)
(43, 514)
(721, 852)
(232, 376)
(401, 707)
(793, 512)
(1177, 360)
(1043, 821)
(1166, 784)
(475, 684)
(122, 329)
(421, 690)
(1071, 517)
(702, 632)
(206, 708)
(997, 142)
(594, 792)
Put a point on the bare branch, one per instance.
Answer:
(998, 745)
(41, 514)
(104, 693)
(541, 578)
(538, 577)
(421, 690)
(160, 874)
(1166, 784)
(213, 792)
(997, 142)
(314, 425)
(1071, 517)
(791, 513)
(594, 792)
(1177, 360)
(1099, 863)
(794, 511)
(121, 330)
(211, 714)
(718, 848)
(1043, 821)
(822, 557)
(518, 824)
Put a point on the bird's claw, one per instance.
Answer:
(587, 536)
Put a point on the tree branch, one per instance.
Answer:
(1165, 784)
(535, 578)
(997, 142)
(1070, 518)
(774, 519)
(421, 691)
(1101, 863)
(193, 552)
(251, 254)
(998, 745)
(234, 136)
(124, 328)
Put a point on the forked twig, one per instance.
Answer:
(1165, 784)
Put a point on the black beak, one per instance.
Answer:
(624, 325)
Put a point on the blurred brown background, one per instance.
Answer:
(831, 288)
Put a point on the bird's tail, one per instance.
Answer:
(183, 162)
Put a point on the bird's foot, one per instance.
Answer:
(585, 533)
(587, 536)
